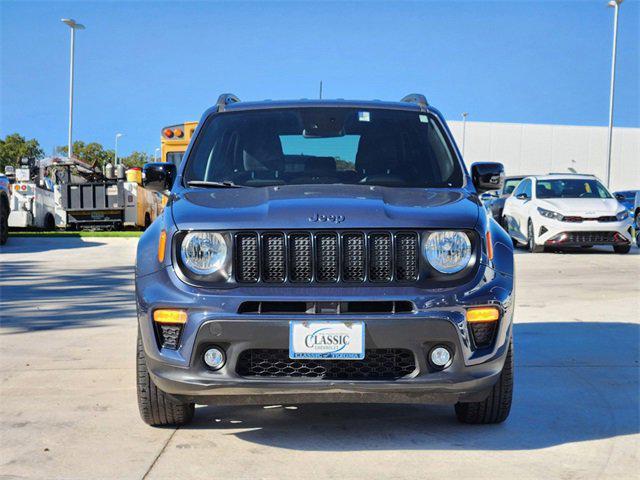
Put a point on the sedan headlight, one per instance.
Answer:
(204, 253)
(448, 251)
(623, 215)
(550, 214)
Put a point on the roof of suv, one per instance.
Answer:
(414, 102)
(264, 104)
(563, 176)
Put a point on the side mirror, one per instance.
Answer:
(487, 176)
(522, 196)
(158, 177)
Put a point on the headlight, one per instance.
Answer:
(550, 214)
(447, 251)
(204, 253)
(623, 215)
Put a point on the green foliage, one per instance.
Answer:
(137, 159)
(92, 153)
(14, 147)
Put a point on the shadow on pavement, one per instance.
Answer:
(43, 244)
(575, 382)
(36, 298)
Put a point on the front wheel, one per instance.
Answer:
(4, 227)
(621, 248)
(531, 240)
(496, 407)
(157, 408)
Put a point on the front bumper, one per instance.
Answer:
(556, 233)
(213, 319)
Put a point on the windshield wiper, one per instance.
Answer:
(207, 184)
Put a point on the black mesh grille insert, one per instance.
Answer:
(169, 335)
(407, 256)
(483, 333)
(591, 237)
(300, 257)
(247, 255)
(353, 257)
(378, 364)
(274, 257)
(327, 257)
(327, 254)
(380, 267)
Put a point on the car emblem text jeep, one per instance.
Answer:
(316, 217)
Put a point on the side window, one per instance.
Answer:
(527, 188)
(520, 188)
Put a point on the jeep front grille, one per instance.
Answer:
(326, 257)
(377, 364)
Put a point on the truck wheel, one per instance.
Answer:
(532, 245)
(4, 227)
(157, 408)
(621, 248)
(49, 222)
(495, 408)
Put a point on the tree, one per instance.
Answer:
(137, 159)
(92, 153)
(14, 147)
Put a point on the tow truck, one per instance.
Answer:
(32, 200)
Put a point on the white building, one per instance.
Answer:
(527, 149)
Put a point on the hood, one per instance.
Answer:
(324, 206)
(585, 207)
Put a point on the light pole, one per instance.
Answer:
(157, 154)
(616, 5)
(118, 135)
(464, 130)
(74, 26)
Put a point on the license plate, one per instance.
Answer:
(326, 340)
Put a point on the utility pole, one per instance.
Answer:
(464, 130)
(616, 5)
(74, 26)
(320, 89)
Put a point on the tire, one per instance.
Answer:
(4, 225)
(531, 240)
(496, 407)
(157, 408)
(621, 248)
(49, 222)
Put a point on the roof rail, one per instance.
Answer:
(225, 99)
(417, 98)
(572, 173)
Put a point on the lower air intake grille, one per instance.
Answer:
(483, 333)
(591, 237)
(378, 364)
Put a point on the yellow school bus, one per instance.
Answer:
(174, 140)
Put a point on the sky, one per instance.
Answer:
(147, 64)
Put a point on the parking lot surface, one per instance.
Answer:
(68, 406)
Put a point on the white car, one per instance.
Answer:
(566, 211)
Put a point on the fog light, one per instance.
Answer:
(440, 357)
(214, 358)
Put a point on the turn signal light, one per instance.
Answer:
(167, 132)
(483, 314)
(162, 244)
(163, 315)
(489, 246)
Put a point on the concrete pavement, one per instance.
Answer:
(68, 407)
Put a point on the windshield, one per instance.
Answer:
(510, 185)
(571, 188)
(327, 145)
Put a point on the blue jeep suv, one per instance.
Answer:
(324, 251)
